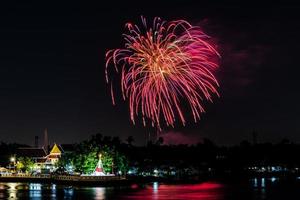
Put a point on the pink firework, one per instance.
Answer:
(162, 67)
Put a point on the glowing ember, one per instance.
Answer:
(162, 67)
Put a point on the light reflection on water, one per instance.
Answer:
(261, 182)
(68, 192)
(99, 193)
(255, 189)
(202, 191)
(12, 190)
(37, 191)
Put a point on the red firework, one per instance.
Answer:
(162, 67)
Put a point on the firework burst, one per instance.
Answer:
(161, 67)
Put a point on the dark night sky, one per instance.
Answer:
(52, 70)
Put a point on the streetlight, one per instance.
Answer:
(13, 159)
(13, 162)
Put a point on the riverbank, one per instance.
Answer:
(67, 179)
(76, 180)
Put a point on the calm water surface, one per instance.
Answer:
(253, 189)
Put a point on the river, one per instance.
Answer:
(252, 189)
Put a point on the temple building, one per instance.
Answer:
(54, 155)
(44, 162)
(37, 155)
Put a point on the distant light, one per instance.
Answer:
(69, 167)
(12, 159)
(273, 179)
(273, 169)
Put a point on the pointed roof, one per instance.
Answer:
(55, 149)
(99, 171)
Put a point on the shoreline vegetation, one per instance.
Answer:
(155, 161)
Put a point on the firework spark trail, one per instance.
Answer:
(163, 66)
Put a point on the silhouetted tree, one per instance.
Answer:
(160, 141)
(130, 140)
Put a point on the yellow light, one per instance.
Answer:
(12, 159)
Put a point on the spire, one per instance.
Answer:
(46, 143)
(99, 171)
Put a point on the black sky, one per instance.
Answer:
(52, 69)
